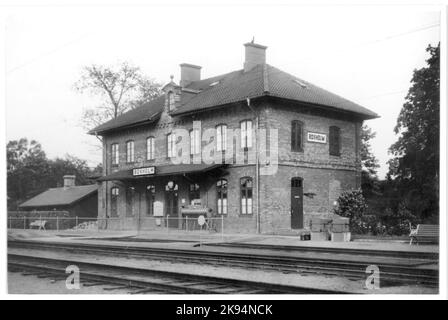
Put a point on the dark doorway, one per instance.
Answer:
(171, 204)
(296, 203)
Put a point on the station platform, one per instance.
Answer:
(178, 237)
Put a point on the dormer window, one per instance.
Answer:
(171, 101)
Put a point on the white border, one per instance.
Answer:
(440, 5)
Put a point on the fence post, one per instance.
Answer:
(186, 223)
(24, 222)
(10, 225)
(76, 221)
(57, 223)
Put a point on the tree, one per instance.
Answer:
(415, 165)
(27, 164)
(369, 179)
(120, 89)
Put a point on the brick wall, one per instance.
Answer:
(324, 175)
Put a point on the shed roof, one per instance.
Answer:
(60, 196)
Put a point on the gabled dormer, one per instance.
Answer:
(172, 96)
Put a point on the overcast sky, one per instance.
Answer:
(365, 54)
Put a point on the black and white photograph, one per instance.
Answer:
(223, 150)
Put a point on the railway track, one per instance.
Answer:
(141, 281)
(391, 274)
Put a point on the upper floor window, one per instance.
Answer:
(296, 135)
(130, 151)
(335, 141)
(150, 148)
(115, 154)
(221, 190)
(246, 134)
(171, 145)
(246, 186)
(171, 101)
(195, 141)
(221, 137)
(114, 192)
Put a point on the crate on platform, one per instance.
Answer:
(340, 236)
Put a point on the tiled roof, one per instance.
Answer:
(166, 170)
(262, 80)
(148, 112)
(60, 196)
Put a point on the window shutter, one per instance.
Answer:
(296, 136)
(335, 141)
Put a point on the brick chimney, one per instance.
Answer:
(189, 73)
(69, 181)
(255, 54)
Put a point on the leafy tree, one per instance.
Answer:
(415, 165)
(26, 165)
(119, 88)
(369, 179)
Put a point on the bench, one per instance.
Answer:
(424, 233)
(38, 224)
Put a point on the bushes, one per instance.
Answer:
(351, 204)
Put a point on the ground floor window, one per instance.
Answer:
(150, 197)
(130, 194)
(114, 201)
(246, 195)
(194, 192)
(221, 188)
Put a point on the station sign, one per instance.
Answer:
(143, 171)
(317, 137)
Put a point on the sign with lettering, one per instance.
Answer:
(158, 209)
(317, 137)
(143, 171)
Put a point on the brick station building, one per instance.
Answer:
(318, 150)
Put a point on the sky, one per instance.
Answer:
(366, 54)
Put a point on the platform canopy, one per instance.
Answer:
(158, 171)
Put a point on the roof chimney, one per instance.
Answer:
(255, 54)
(189, 73)
(69, 181)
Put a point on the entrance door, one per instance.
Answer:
(296, 203)
(171, 204)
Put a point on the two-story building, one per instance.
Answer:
(312, 137)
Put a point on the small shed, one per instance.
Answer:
(80, 201)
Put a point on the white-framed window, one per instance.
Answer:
(115, 154)
(246, 186)
(130, 151)
(195, 141)
(246, 134)
(171, 101)
(221, 137)
(171, 145)
(221, 190)
(150, 148)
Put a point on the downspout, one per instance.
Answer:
(257, 165)
(106, 182)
